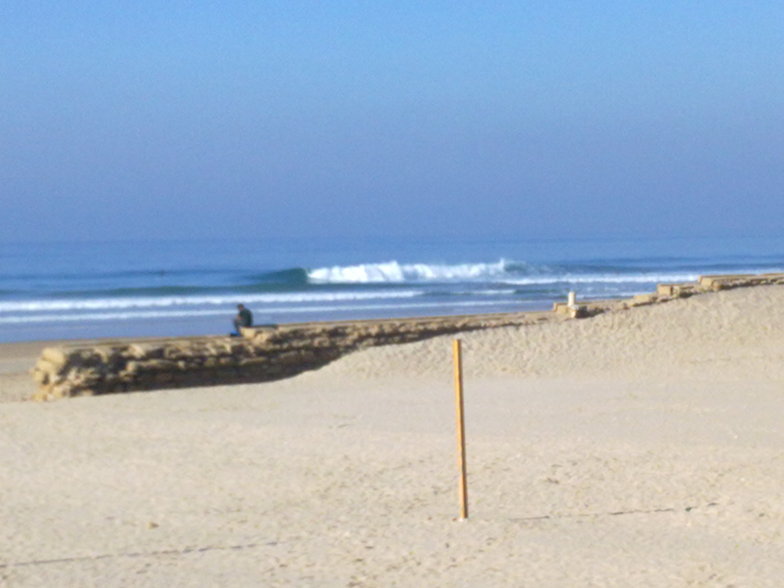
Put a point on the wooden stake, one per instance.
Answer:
(458, 361)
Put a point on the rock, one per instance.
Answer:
(55, 356)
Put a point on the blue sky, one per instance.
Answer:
(128, 120)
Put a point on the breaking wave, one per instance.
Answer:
(394, 272)
(502, 271)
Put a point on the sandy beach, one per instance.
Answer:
(636, 448)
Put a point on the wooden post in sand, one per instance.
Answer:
(458, 361)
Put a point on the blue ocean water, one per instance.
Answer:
(88, 290)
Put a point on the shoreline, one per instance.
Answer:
(271, 352)
(707, 283)
(189, 327)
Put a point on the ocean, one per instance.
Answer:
(178, 288)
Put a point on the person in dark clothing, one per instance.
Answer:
(244, 318)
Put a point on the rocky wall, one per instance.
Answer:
(269, 353)
(261, 354)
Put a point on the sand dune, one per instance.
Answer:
(635, 448)
(680, 336)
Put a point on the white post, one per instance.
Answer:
(571, 301)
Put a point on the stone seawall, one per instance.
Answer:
(261, 354)
(270, 353)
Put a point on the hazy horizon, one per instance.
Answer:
(148, 121)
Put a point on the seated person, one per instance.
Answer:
(244, 318)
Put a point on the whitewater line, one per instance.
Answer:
(146, 302)
(57, 318)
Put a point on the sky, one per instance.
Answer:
(543, 119)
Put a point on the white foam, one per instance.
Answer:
(107, 316)
(394, 272)
(164, 314)
(173, 301)
(506, 292)
(603, 279)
